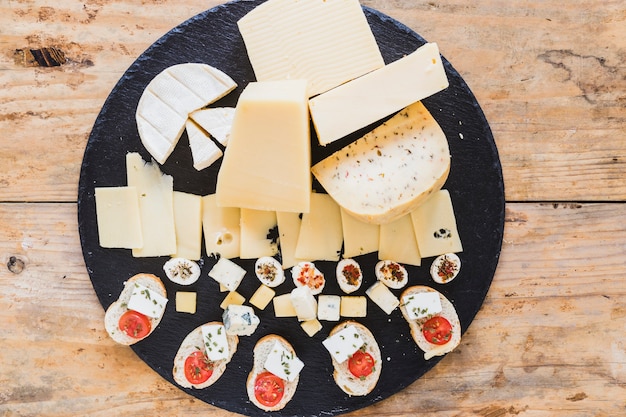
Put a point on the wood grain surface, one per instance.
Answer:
(550, 339)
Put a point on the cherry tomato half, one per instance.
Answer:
(437, 330)
(269, 389)
(361, 364)
(198, 368)
(135, 324)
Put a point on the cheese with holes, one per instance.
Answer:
(321, 235)
(435, 226)
(222, 233)
(398, 243)
(188, 225)
(156, 206)
(117, 214)
(257, 234)
(378, 94)
(326, 42)
(359, 238)
(266, 165)
(391, 170)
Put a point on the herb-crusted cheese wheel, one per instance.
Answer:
(391, 170)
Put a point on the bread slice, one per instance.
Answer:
(115, 310)
(448, 311)
(193, 342)
(261, 350)
(350, 384)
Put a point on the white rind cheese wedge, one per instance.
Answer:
(216, 121)
(378, 94)
(391, 170)
(168, 99)
(203, 150)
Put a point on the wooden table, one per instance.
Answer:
(550, 339)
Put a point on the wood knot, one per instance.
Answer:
(16, 265)
(43, 57)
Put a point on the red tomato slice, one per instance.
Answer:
(361, 364)
(437, 330)
(135, 324)
(198, 368)
(269, 389)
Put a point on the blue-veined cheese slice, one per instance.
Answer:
(391, 170)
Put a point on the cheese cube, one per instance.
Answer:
(262, 297)
(304, 303)
(353, 306)
(240, 320)
(359, 238)
(232, 298)
(188, 224)
(311, 327)
(266, 165)
(283, 306)
(435, 226)
(328, 307)
(344, 343)
(215, 341)
(186, 302)
(256, 234)
(383, 297)
(146, 301)
(321, 235)
(117, 214)
(397, 242)
(228, 273)
(221, 228)
(283, 363)
(422, 304)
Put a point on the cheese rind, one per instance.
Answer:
(117, 214)
(266, 165)
(391, 170)
(378, 94)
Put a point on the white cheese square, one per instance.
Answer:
(146, 301)
(304, 303)
(282, 363)
(328, 307)
(215, 341)
(227, 273)
(383, 297)
(344, 343)
(422, 304)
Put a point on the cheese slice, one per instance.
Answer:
(288, 232)
(391, 170)
(169, 98)
(378, 94)
(398, 243)
(203, 150)
(117, 214)
(156, 206)
(222, 233)
(266, 164)
(188, 224)
(327, 42)
(256, 234)
(321, 235)
(217, 121)
(359, 238)
(435, 226)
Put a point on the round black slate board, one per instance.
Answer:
(475, 184)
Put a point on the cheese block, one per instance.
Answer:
(217, 121)
(359, 238)
(288, 232)
(203, 150)
(256, 234)
(283, 307)
(117, 214)
(378, 94)
(169, 98)
(222, 233)
(156, 206)
(326, 42)
(391, 170)
(188, 225)
(240, 320)
(228, 273)
(435, 226)
(397, 242)
(321, 235)
(266, 164)
(186, 302)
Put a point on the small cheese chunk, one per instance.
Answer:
(288, 232)
(344, 343)
(397, 242)
(232, 298)
(422, 304)
(186, 302)
(117, 213)
(217, 121)
(391, 170)
(240, 320)
(146, 301)
(311, 327)
(359, 238)
(215, 341)
(283, 307)
(203, 150)
(321, 235)
(188, 224)
(256, 234)
(304, 303)
(353, 306)
(383, 297)
(378, 94)
(328, 307)
(266, 165)
(435, 226)
(228, 273)
(262, 297)
(222, 233)
(283, 363)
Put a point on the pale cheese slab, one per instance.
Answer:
(117, 214)
(222, 233)
(188, 225)
(397, 242)
(321, 234)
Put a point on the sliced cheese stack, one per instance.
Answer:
(391, 170)
(266, 164)
(378, 94)
(327, 42)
